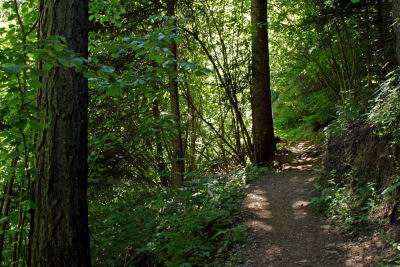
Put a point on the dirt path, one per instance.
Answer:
(285, 232)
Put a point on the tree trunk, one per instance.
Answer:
(369, 46)
(178, 161)
(263, 132)
(161, 168)
(5, 213)
(193, 134)
(60, 234)
(5, 205)
(396, 17)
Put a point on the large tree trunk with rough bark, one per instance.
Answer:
(263, 132)
(60, 233)
(178, 161)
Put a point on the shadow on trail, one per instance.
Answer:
(285, 231)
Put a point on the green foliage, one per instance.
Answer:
(300, 117)
(107, 12)
(19, 122)
(385, 113)
(254, 172)
(190, 226)
(394, 259)
(324, 72)
(346, 206)
(305, 95)
(393, 187)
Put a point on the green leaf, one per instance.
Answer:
(107, 69)
(58, 47)
(27, 204)
(11, 68)
(3, 220)
(391, 188)
(66, 62)
(35, 84)
(37, 125)
(38, 72)
(161, 36)
(21, 123)
(114, 91)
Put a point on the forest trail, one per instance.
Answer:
(284, 231)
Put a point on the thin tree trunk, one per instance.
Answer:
(228, 90)
(5, 208)
(162, 168)
(396, 17)
(178, 161)
(193, 136)
(263, 132)
(5, 213)
(216, 132)
(381, 24)
(369, 47)
(60, 233)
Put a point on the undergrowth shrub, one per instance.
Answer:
(190, 226)
(386, 109)
(302, 116)
(348, 207)
(393, 259)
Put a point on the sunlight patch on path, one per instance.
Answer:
(299, 209)
(257, 203)
(285, 232)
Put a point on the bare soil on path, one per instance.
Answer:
(284, 231)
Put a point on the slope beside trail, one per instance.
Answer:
(285, 232)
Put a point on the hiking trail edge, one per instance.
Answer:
(284, 231)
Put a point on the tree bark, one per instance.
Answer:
(192, 134)
(6, 212)
(263, 132)
(60, 233)
(396, 17)
(161, 168)
(178, 161)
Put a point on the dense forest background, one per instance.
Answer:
(172, 139)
